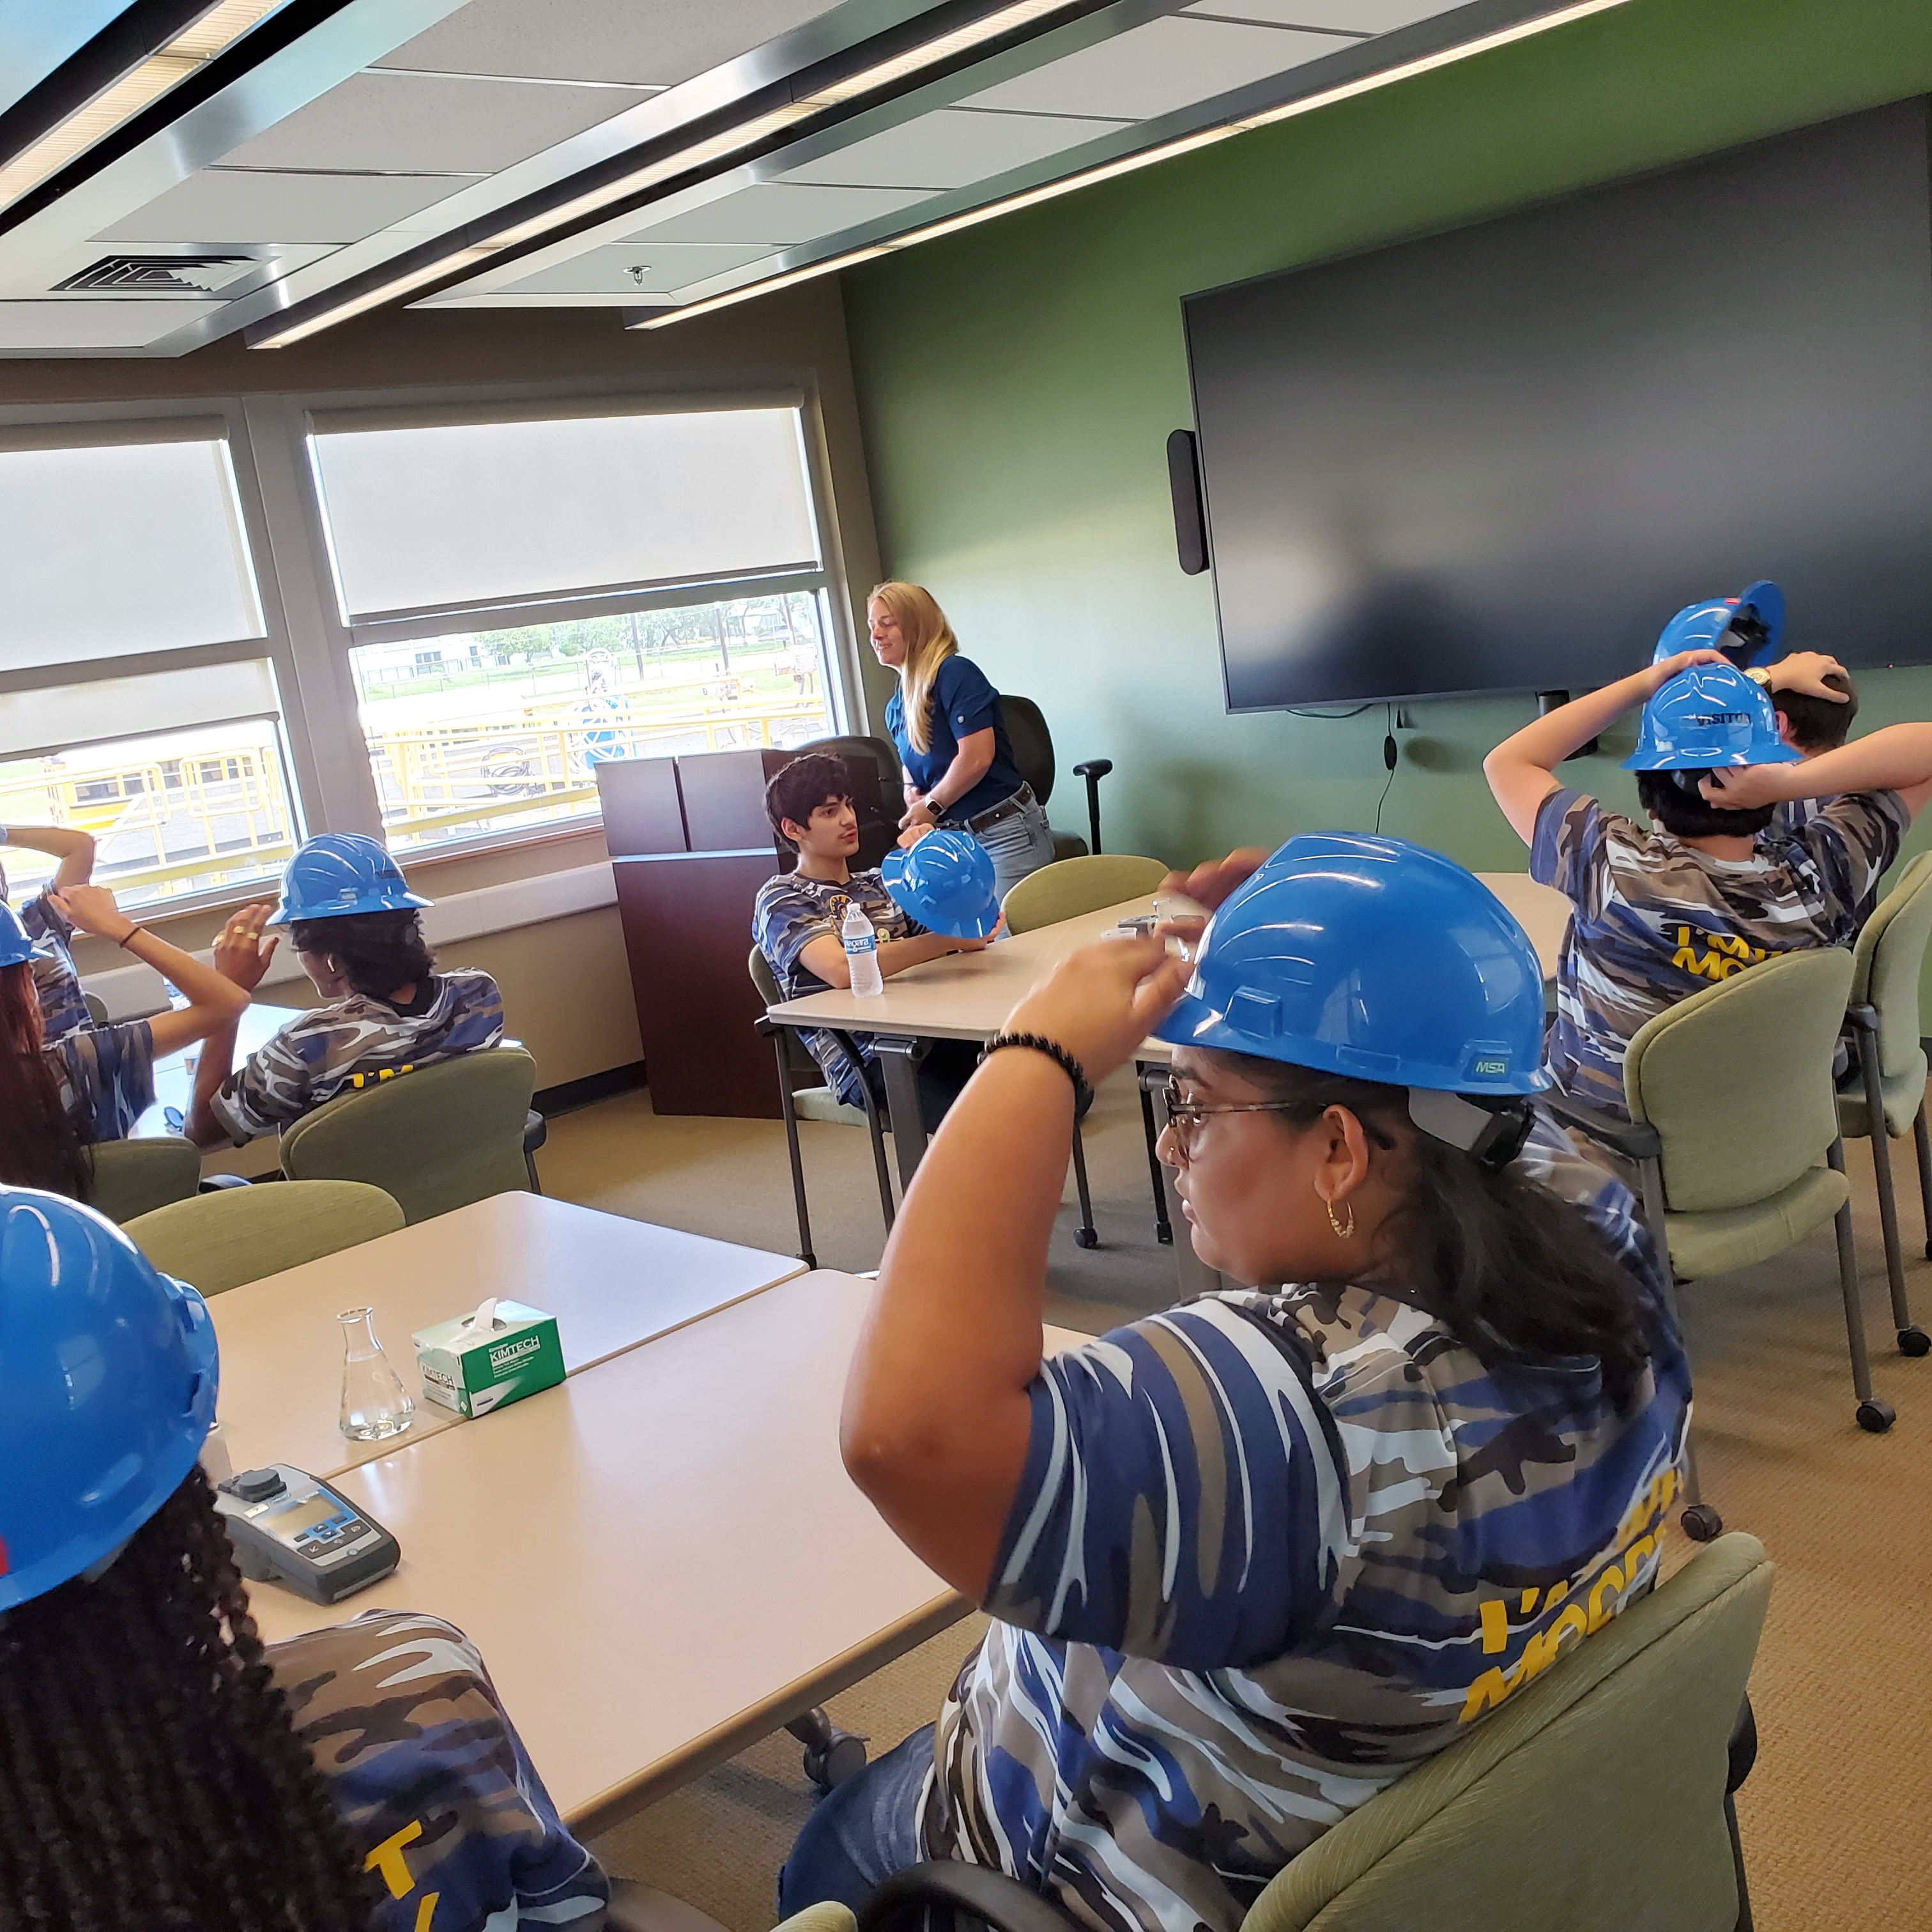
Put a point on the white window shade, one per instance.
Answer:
(109, 549)
(458, 516)
(51, 717)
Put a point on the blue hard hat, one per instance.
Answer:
(946, 882)
(107, 1383)
(16, 945)
(336, 873)
(1702, 627)
(1369, 957)
(1710, 716)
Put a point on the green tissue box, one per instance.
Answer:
(502, 1353)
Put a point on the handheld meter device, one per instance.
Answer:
(289, 1527)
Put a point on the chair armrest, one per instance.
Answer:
(1743, 1749)
(1004, 1903)
(1093, 768)
(1865, 1018)
(1636, 1140)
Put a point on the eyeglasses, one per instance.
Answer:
(1185, 1116)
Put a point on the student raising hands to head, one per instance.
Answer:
(59, 1097)
(1249, 1561)
(63, 1005)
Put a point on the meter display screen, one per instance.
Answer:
(289, 1521)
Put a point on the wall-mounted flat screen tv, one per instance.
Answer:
(1500, 458)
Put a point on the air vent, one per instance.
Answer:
(197, 276)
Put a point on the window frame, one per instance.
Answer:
(304, 638)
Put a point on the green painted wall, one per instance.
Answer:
(1017, 383)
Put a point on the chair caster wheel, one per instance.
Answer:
(1875, 1417)
(1702, 1523)
(1914, 1342)
(1086, 1238)
(840, 1761)
(1164, 1236)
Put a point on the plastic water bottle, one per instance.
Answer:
(862, 951)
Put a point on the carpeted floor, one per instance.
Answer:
(1831, 1811)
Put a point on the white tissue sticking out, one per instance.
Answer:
(485, 1321)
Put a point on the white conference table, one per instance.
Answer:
(662, 1560)
(968, 995)
(612, 1283)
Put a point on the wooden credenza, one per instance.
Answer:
(690, 845)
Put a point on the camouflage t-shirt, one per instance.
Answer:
(1655, 920)
(1270, 1551)
(330, 1048)
(399, 1716)
(63, 1005)
(105, 1075)
(790, 912)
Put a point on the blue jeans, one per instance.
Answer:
(861, 1833)
(1018, 845)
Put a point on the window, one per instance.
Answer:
(518, 592)
(528, 599)
(108, 550)
(121, 550)
(499, 730)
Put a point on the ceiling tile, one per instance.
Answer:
(1352, 16)
(779, 214)
(220, 204)
(655, 45)
(951, 148)
(75, 327)
(666, 265)
(430, 124)
(1154, 69)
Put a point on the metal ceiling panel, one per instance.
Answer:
(1156, 69)
(430, 124)
(652, 267)
(232, 204)
(777, 214)
(951, 148)
(654, 45)
(84, 328)
(1346, 16)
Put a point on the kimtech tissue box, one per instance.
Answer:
(477, 1363)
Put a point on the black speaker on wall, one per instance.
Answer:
(1184, 479)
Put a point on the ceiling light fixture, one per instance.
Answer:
(1167, 150)
(717, 147)
(216, 30)
(402, 285)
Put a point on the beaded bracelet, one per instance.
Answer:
(1083, 1094)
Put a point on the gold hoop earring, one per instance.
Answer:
(1344, 1232)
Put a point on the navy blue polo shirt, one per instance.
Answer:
(963, 702)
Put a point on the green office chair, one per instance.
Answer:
(1890, 1077)
(1065, 890)
(135, 1177)
(218, 1241)
(1732, 1111)
(804, 1096)
(1613, 1770)
(437, 1138)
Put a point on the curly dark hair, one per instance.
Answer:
(39, 1145)
(150, 1775)
(799, 788)
(380, 952)
(1681, 810)
(1512, 1271)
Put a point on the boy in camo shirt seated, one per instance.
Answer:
(1708, 891)
(357, 928)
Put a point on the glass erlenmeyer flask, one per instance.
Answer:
(375, 1405)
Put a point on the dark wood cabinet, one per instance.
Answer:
(690, 845)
